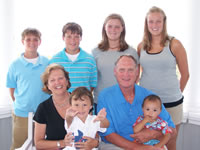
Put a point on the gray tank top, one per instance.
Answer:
(159, 74)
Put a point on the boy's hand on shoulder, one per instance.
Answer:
(101, 115)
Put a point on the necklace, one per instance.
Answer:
(60, 105)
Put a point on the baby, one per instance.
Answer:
(152, 107)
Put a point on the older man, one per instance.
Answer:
(123, 103)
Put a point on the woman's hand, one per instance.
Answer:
(68, 140)
(88, 145)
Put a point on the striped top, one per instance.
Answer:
(82, 71)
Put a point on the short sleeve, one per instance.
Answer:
(165, 116)
(102, 104)
(139, 119)
(11, 81)
(40, 115)
(165, 128)
(102, 130)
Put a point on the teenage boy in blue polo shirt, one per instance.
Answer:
(24, 83)
(80, 65)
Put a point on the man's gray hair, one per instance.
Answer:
(127, 55)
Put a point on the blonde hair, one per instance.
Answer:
(104, 44)
(46, 74)
(147, 38)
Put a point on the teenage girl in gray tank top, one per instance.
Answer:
(159, 56)
(112, 46)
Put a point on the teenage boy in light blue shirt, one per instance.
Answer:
(25, 86)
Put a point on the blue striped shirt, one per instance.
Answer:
(82, 71)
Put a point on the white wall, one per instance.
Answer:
(49, 16)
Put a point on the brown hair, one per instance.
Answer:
(152, 98)
(73, 27)
(104, 44)
(79, 92)
(147, 38)
(46, 74)
(31, 31)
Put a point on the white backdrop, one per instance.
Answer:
(49, 16)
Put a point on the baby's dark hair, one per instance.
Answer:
(152, 98)
(79, 92)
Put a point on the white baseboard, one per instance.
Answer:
(5, 111)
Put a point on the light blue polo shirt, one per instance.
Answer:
(25, 78)
(121, 114)
(82, 71)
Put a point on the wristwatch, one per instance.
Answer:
(58, 144)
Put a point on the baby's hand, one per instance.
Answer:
(70, 113)
(101, 115)
(148, 119)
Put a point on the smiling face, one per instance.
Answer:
(72, 41)
(152, 109)
(31, 43)
(155, 23)
(57, 82)
(82, 105)
(113, 29)
(126, 72)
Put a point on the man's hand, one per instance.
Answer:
(146, 134)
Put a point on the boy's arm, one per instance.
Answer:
(104, 123)
(11, 90)
(69, 120)
(69, 116)
(163, 140)
(101, 116)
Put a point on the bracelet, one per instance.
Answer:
(58, 144)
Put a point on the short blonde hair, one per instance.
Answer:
(46, 74)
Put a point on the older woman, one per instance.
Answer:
(49, 117)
